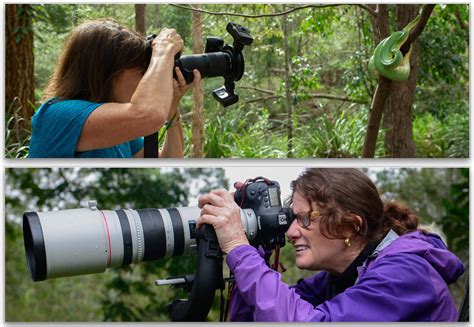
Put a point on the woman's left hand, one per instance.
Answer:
(180, 87)
(219, 209)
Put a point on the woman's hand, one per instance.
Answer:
(168, 42)
(180, 88)
(219, 209)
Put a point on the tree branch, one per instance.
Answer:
(368, 9)
(416, 31)
(334, 97)
(310, 96)
(282, 13)
(263, 99)
(223, 13)
(462, 23)
(383, 21)
(375, 117)
(253, 88)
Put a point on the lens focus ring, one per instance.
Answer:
(137, 230)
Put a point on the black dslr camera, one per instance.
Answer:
(272, 219)
(219, 59)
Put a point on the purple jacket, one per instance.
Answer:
(407, 281)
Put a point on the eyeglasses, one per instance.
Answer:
(304, 219)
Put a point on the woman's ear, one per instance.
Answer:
(355, 222)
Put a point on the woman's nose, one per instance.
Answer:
(293, 232)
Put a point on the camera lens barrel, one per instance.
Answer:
(87, 240)
(209, 65)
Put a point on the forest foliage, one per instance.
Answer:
(329, 50)
(438, 196)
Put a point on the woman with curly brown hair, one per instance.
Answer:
(105, 96)
(374, 262)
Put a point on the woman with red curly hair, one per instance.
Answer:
(374, 262)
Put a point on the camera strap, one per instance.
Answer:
(277, 265)
(227, 304)
(151, 146)
(152, 141)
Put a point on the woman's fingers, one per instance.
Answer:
(207, 219)
(211, 198)
(218, 206)
(168, 37)
(179, 75)
(180, 83)
(197, 77)
(212, 210)
(224, 194)
(219, 209)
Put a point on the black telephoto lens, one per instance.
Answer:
(209, 65)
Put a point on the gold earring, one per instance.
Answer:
(347, 242)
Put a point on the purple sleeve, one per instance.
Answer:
(261, 289)
(239, 310)
(396, 289)
(310, 289)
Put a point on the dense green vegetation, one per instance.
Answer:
(329, 50)
(439, 196)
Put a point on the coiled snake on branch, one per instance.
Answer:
(388, 60)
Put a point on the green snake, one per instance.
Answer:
(388, 60)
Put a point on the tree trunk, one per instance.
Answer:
(19, 68)
(289, 109)
(375, 117)
(140, 19)
(156, 22)
(397, 119)
(402, 101)
(381, 29)
(197, 127)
